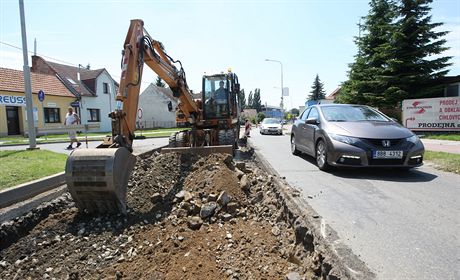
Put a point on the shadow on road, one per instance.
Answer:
(384, 174)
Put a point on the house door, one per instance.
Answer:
(12, 119)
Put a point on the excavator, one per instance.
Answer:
(97, 178)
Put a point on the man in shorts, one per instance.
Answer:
(70, 119)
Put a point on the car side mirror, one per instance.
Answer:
(313, 121)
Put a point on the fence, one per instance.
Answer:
(155, 124)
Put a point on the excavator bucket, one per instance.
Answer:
(97, 178)
(203, 151)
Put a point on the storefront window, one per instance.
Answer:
(52, 115)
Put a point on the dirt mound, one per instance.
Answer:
(188, 218)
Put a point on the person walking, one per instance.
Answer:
(247, 128)
(70, 119)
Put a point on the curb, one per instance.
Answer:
(30, 189)
(325, 239)
(18, 200)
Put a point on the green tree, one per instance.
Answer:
(242, 99)
(159, 82)
(260, 117)
(294, 111)
(317, 90)
(250, 101)
(256, 102)
(367, 75)
(399, 55)
(417, 63)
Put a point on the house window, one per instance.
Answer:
(52, 115)
(452, 90)
(94, 115)
(105, 87)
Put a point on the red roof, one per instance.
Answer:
(13, 81)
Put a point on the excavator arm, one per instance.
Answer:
(97, 178)
(140, 49)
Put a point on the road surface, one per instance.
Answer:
(403, 225)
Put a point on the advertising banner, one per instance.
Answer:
(432, 114)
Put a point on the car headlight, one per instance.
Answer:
(414, 139)
(344, 139)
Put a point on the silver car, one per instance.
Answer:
(346, 135)
(271, 126)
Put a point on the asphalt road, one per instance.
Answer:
(139, 145)
(403, 225)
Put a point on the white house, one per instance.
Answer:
(94, 90)
(157, 108)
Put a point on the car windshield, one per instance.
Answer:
(352, 114)
(270, 121)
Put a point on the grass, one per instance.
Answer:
(20, 166)
(444, 161)
(11, 140)
(452, 137)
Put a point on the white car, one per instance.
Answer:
(271, 126)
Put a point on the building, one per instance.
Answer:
(94, 90)
(452, 86)
(273, 112)
(157, 108)
(49, 113)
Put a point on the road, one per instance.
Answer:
(403, 225)
(139, 145)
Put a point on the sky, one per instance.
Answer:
(308, 37)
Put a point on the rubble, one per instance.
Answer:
(189, 217)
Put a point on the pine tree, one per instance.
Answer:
(395, 59)
(416, 41)
(159, 82)
(256, 101)
(368, 75)
(317, 90)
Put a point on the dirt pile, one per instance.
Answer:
(189, 217)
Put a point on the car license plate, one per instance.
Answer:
(387, 154)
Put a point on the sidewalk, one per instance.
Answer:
(446, 146)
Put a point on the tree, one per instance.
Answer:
(250, 101)
(256, 102)
(417, 63)
(395, 59)
(317, 90)
(366, 77)
(294, 111)
(159, 82)
(242, 99)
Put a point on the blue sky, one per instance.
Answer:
(308, 36)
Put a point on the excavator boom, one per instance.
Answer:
(97, 178)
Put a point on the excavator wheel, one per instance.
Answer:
(226, 137)
(97, 178)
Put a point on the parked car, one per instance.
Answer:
(271, 126)
(354, 136)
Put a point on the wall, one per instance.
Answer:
(154, 106)
(59, 102)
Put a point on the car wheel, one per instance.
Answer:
(321, 156)
(294, 150)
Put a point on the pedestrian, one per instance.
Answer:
(247, 128)
(72, 118)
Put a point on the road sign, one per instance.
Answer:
(139, 113)
(41, 95)
(75, 104)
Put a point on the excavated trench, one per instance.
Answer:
(189, 217)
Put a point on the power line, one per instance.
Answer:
(58, 60)
(55, 59)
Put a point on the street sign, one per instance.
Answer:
(41, 95)
(75, 104)
(139, 113)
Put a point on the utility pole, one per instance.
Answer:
(281, 64)
(27, 85)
